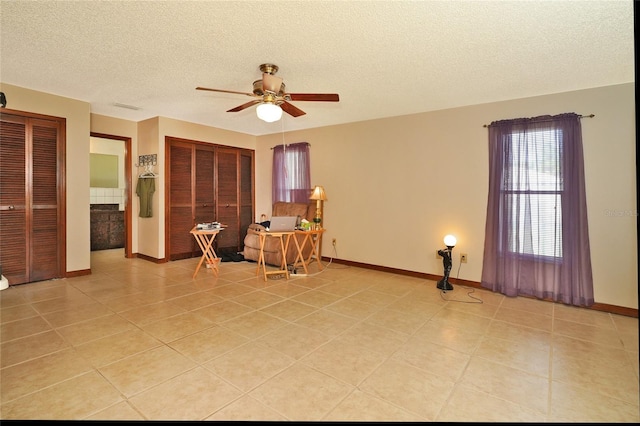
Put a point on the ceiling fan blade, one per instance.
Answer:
(291, 110)
(225, 91)
(271, 83)
(323, 97)
(245, 106)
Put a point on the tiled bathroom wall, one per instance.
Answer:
(108, 196)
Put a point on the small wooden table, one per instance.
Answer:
(284, 238)
(205, 238)
(313, 237)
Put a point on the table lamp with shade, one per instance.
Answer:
(319, 195)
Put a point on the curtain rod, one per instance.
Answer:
(581, 116)
(294, 143)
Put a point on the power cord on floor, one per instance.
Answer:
(442, 292)
(293, 274)
(324, 267)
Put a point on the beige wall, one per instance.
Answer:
(197, 132)
(148, 137)
(395, 186)
(76, 114)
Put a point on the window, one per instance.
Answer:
(536, 235)
(291, 174)
(532, 185)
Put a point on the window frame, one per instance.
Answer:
(517, 229)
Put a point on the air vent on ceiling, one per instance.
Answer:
(135, 108)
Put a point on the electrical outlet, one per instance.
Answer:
(463, 258)
(333, 241)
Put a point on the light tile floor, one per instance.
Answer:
(138, 340)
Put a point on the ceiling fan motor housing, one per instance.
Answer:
(257, 89)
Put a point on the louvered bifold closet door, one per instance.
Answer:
(205, 194)
(181, 242)
(44, 201)
(13, 199)
(32, 240)
(227, 200)
(206, 183)
(204, 205)
(246, 194)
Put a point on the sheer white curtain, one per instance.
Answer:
(291, 173)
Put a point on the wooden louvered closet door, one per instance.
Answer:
(32, 228)
(246, 195)
(191, 195)
(234, 196)
(227, 199)
(180, 204)
(207, 183)
(205, 202)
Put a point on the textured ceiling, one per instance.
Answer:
(384, 58)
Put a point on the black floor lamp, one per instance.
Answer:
(450, 242)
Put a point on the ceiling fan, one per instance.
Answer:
(270, 95)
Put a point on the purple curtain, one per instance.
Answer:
(291, 173)
(536, 236)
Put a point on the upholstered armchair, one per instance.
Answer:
(272, 255)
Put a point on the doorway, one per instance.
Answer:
(113, 200)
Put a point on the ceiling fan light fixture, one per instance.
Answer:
(269, 112)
